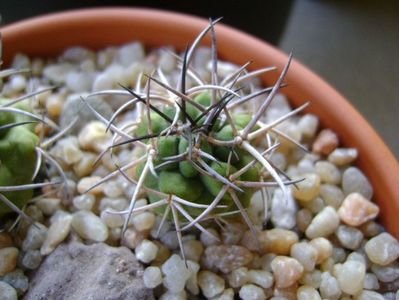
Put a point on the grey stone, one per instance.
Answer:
(75, 107)
(98, 271)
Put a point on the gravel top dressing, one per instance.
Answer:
(238, 194)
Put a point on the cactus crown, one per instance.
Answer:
(198, 147)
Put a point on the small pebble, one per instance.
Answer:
(31, 259)
(306, 254)
(132, 238)
(238, 277)
(324, 248)
(357, 210)
(7, 292)
(326, 142)
(5, 240)
(57, 232)
(112, 219)
(286, 270)
(307, 293)
(35, 237)
(182, 295)
(328, 172)
(307, 189)
(349, 237)
(323, 224)
(192, 281)
(86, 183)
(48, 205)
(371, 282)
(89, 226)
(84, 202)
(283, 210)
(277, 240)
(232, 233)
(146, 251)
(176, 273)
(386, 273)
(350, 277)
(228, 294)
(94, 137)
(211, 284)
(303, 219)
(227, 257)
(193, 250)
(17, 280)
(369, 295)
(343, 156)
(354, 181)
(308, 124)
(312, 278)
(144, 220)
(329, 287)
(152, 277)
(85, 166)
(8, 259)
(332, 195)
(252, 292)
(54, 105)
(382, 249)
(261, 278)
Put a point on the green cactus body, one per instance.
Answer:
(17, 157)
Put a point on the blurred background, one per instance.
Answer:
(354, 45)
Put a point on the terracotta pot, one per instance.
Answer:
(97, 28)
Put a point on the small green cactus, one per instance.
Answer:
(199, 154)
(17, 155)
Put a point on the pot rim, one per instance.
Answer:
(95, 28)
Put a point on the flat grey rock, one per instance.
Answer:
(96, 272)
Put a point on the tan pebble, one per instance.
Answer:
(8, 259)
(228, 294)
(371, 229)
(249, 241)
(324, 248)
(323, 224)
(382, 249)
(303, 219)
(87, 182)
(277, 240)
(238, 277)
(328, 172)
(54, 105)
(193, 250)
(306, 292)
(343, 156)
(326, 142)
(308, 125)
(132, 238)
(111, 218)
(163, 253)
(144, 221)
(5, 240)
(350, 276)
(93, 137)
(85, 165)
(89, 226)
(286, 270)
(210, 283)
(48, 205)
(312, 278)
(308, 188)
(357, 210)
(56, 233)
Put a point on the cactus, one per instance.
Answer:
(199, 156)
(21, 150)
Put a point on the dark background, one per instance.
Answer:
(354, 45)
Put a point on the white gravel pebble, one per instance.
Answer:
(146, 251)
(152, 277)
(56, 233)
(210, 283)
(7, 292)
(349, 237)
(306, 254)
(369, 295)
(182, 295)
(354, 181)
(252, 292)
(343, 156)
(323, 224)
(350, 277)
(382, 249)
(176, 273)
(307, 293)
(35, 237)
(89, 226)
(84, 202)
(261, 277)
(283, 210)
